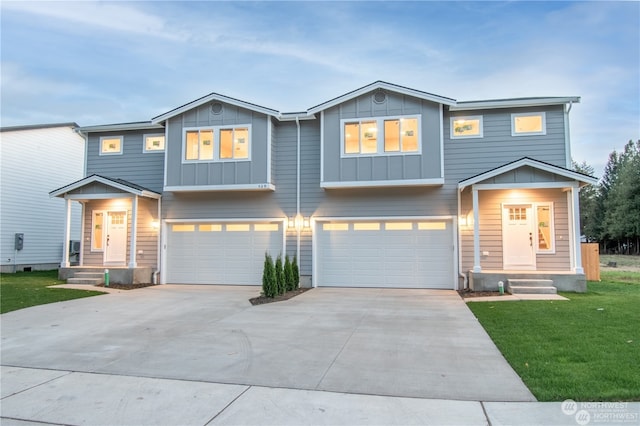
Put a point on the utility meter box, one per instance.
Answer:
(19, 243)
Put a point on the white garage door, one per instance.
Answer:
(378, 253)
(220, 253)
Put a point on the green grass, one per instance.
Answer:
(25, 289)
(586, 349)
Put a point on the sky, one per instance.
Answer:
(113, 62)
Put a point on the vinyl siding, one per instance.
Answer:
(147, 235)
(33, 163)
(383, 167)
(144, 169)
(205, 173)
(469, 157)
(491, 228)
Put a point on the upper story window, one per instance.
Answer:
(380, 135)
(154, 143)
(111, 145)
(218, 143)
(466, 127)
(525, 124)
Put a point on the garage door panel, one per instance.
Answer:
(219, 253)
(411, 254)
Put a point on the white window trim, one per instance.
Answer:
(216, 144)
(528, 114)
(467, 117)
(152, 151)
(552, 227)
(111, 153)
(104, 221)
(380, 120)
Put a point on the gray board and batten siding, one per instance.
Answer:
(468, 157)
(133, 165)
(209, 173)
(407, 166)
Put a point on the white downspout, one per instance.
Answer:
(297, 219)
(567, 137)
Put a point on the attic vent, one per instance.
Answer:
(216, 108)
(379, 97)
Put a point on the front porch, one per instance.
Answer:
(117, 275)
(561, 280)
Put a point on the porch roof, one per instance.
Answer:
(116, 183)
(572, 175)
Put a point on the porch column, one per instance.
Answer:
(134, 232)
(575, 228)
(67, 235)
(476, 233)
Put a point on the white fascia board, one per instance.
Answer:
(229, 220)
(527, 185)
(383, 183)
(214, 97)
(384, 86)
(510, 103)
(292, 116)
(531, 163)
(215, 188)
(92, 179)
(387, 218)
(120, 127)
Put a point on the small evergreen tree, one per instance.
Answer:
(281, 285)
(269, 285)
(296, 273)
(288, 274)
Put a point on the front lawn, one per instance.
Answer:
(586, 349)
(25, 289)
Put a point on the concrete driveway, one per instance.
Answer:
(405, 343)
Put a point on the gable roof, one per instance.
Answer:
(116, 183)
(136, 125)
(214, 97)
(536, 164)
(381, 85)
(37, 126)
(513, 102)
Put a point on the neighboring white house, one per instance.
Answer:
(33, 159)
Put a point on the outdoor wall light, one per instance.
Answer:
(306, 223)
(155, 224)
(291, 223)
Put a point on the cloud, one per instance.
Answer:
(109, 16)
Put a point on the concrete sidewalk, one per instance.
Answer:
(71, 398)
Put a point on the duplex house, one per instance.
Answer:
(33, 159)
(384, 186)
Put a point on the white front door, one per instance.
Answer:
(116, 238)
(517, 237)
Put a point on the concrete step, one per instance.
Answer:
(532, 290)
(92, 281)
(99, 275)
(530, 286)
(529, 282)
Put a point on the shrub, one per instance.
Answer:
(269, 284)
(280, 283)
(296, 273)
(288, 274)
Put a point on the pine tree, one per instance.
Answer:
(281, 285)
(288, 274)
(269, 285)
(296, 272)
